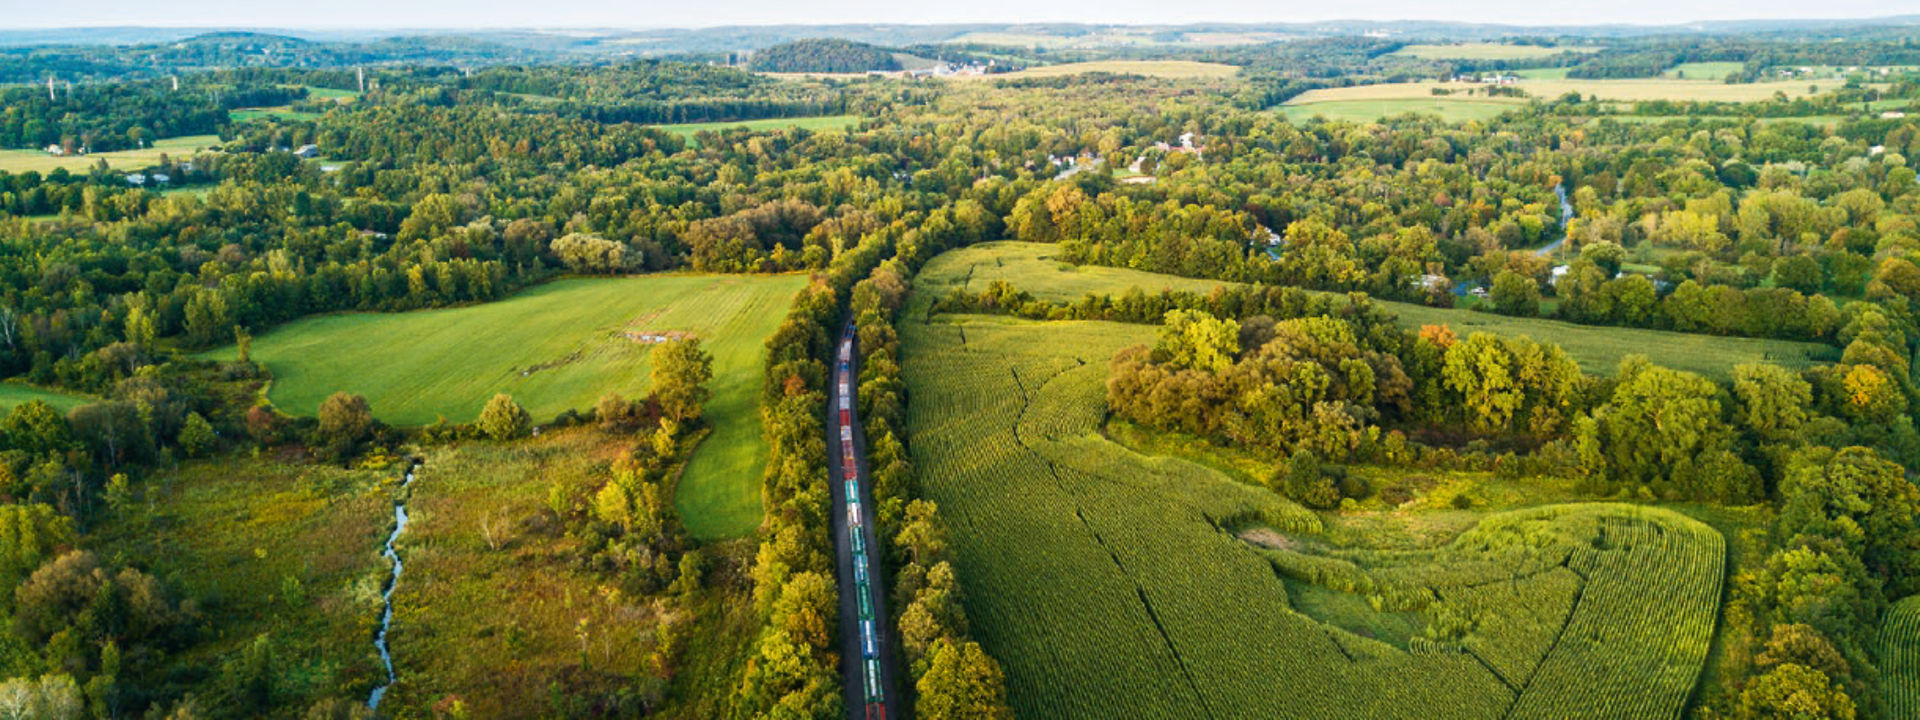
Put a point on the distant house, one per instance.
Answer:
(1429, 281)
(1558, 270)
(307, 151)
(161, 178)
(136, 179)
(1892, 115)
(56, 150)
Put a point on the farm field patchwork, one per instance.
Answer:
(1036, 268)
(1173, 69)
(24, 160)
(1109, 582)
(1618, 90)
(557, 346)
(1485, 51)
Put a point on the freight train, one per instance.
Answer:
(874, 697)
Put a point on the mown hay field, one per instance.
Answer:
(558, 346)
(1036, 268)
(1110, 583)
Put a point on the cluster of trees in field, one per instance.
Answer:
(824, 55)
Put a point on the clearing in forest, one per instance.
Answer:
(1036, 268)
(1110, 583)
(555, 347)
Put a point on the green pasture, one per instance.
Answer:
(557, 346)
(1035, 268)
(1449, 109)
(13, 394)
(825, 122)
(23, 160)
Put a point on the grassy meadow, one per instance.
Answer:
(1035, 268)
(19, 161)
(13, 394)
(454, 636)
(1168, 585)
(827, 122)
(557, 346)
(1363, 111)
(270, 548)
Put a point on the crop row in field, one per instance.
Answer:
(1900, 658)
(1111, 583)
(557, 346)
(1036, 268)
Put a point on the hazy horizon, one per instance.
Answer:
(587, 15)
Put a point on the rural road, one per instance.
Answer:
(853, 662)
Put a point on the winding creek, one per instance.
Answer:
(393, 581)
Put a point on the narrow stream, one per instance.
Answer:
(386, 615)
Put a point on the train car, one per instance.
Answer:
(853, 489)
(853, 513)
(846, 403)
(874, 695)
(843, 386)
(859, 568)
(859, 543)
(846, 351)
(846, 433)
(869, 647)
(866, 602)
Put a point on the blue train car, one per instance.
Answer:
(859, 568)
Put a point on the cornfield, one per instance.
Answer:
(1112, 584)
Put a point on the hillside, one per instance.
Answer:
(825, 55)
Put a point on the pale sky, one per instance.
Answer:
(21, 14)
